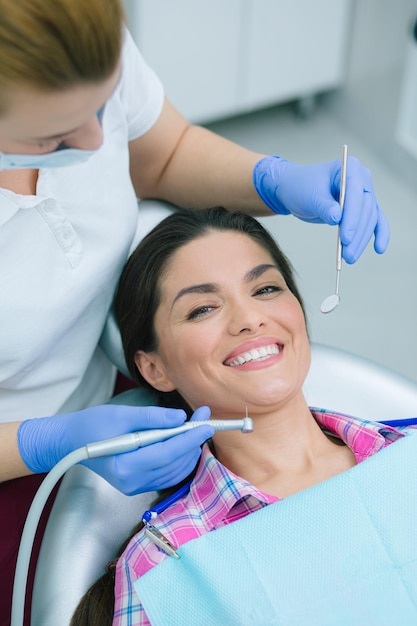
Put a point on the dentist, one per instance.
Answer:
(85, 130)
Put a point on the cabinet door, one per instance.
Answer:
(294, 48)
(223, 57)
(194, 47)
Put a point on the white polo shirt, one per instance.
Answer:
(61, 254)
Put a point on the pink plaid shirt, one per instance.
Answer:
(218, 497)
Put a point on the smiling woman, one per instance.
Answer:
(138, 299)
(210, 315)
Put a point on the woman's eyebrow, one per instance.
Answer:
(257, 271)
(203, 288)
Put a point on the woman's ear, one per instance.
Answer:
(153, 371)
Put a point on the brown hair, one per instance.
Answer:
(53, 45)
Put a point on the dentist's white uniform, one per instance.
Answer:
(61, 253)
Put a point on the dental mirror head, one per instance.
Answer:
(330, 303)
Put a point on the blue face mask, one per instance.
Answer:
(62, 156)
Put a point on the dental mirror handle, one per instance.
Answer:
(331, 302)
(342, 205)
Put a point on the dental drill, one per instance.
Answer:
(140, 439)
(106, 447)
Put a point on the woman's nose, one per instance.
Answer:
(87, 137)
(245, 318)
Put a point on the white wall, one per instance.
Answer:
(379, 36)
(372, 98)
(219, 58)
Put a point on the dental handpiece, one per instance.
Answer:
(139, 439)
(106, 447)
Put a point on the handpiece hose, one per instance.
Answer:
(106, 447)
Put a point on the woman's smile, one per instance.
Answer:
(262, 353)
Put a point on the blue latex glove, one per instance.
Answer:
(311, 193)
(45, 441)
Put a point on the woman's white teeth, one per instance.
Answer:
(257, 354)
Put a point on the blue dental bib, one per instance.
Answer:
(341, 553)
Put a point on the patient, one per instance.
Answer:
(210, 315)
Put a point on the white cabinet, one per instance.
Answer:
(223, 57)
(294, 48)
(194, 46)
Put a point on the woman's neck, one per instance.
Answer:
(286, 452)
(20, 181)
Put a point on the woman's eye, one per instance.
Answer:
(268, 290)
(201, 311)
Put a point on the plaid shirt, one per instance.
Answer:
(218, 497)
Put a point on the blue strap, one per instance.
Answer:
(161, 506)
(406, 421)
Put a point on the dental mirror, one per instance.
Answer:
(331, 302)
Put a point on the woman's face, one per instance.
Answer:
(37, 122)
(230, 333)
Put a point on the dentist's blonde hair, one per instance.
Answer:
(52, 45)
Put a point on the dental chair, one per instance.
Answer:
(90, 519)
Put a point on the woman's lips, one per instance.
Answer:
(256, 354)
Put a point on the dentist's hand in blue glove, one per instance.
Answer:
(45, 441)
(311, 193)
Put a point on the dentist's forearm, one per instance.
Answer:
(11, 463)
(192, 167)
(207, 170)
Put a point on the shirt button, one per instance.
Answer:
(49, 206)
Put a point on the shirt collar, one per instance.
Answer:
(363, 437)
(215, 490)
(9, 205)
